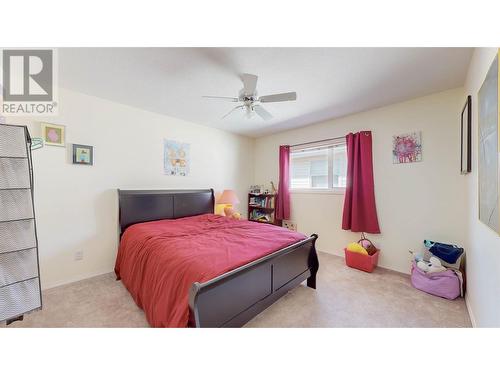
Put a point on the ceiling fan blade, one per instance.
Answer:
(286, 96)
(262, 112)
(231, 111)
(249, 84)
(226, 98)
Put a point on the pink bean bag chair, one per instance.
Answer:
(442, 284)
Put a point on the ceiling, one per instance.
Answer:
(330, 82)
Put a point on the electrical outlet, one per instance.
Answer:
(290, 225)
(79, 255)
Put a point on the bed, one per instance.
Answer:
(185, 266)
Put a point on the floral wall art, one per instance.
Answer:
(407, 148)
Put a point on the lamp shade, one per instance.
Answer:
(228, 197)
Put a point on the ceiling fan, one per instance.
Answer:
(251, 102)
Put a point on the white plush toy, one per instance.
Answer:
(423, 265)
(435, 265)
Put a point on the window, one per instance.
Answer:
(319, 166)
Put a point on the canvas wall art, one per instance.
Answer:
(176, 158)
(488, 152)
(407, 148)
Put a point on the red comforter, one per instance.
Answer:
(160, 260)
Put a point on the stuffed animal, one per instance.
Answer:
(365, 243)
(435, 265)
(368, 246)
(423, 266)
(229, 210)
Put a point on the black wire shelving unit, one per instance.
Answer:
(20, 288)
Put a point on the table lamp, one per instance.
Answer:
(228, 198)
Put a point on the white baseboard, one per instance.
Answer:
(469, 310)
(74, 280)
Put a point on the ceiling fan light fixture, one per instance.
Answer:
(252, 102)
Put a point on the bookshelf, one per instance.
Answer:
(261, 208)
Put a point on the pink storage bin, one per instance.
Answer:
(442, 284)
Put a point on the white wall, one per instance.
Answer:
(76, 205)
(416, 201)
(483, 248)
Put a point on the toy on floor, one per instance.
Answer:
(433, 265)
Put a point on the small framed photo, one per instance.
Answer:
(53, 135)
(83, 154)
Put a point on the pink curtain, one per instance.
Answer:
(360, 212)
(283, 197)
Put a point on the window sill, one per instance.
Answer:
(338, 191)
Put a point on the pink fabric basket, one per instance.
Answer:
(442, 284)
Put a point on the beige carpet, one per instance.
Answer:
(344, 298)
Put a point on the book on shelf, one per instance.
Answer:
(264, 201)
(258, 215)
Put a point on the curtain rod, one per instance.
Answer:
(321, 140)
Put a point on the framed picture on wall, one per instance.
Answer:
(466, 137)
(53, 135)
(83, 154)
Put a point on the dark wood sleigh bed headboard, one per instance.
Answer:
(138, 206)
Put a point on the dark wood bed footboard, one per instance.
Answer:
(235, 297)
